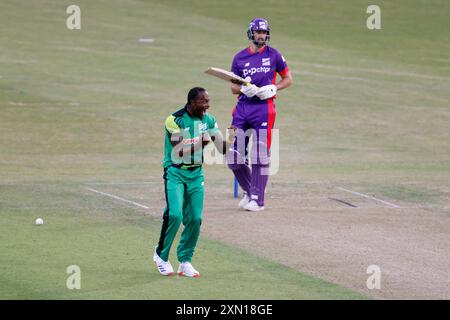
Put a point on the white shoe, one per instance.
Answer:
(186, 269)
(253, 206)
(245, 199)
(164, 267)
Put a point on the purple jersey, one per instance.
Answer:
(262, 66)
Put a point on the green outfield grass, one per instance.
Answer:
(369, 108)
(113, 247)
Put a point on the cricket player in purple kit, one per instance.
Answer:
(255, 111)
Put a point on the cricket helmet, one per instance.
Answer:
(258, 24)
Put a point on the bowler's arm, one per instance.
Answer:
(176, 139)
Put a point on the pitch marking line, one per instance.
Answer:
(120, 183)
(370, 197)
(118, 198)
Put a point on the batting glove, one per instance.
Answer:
(267, 92)
(249, 89)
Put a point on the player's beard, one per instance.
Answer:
(260, 43)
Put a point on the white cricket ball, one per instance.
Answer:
(39, 221)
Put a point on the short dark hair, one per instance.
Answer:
(193, 94)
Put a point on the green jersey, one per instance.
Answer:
(191, 129)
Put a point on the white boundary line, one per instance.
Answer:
(118, 198)
(120, 183)
(146, 207)
(370, 197)
(217, 181)
(343, 208)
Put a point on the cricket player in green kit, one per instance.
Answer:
(188, 130)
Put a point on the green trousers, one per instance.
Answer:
(184, 204)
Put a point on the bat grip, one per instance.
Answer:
(248, 84)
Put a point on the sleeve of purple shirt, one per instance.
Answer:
(234, 67)
(281, 65)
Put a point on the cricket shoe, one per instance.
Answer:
(186, 269)
(245, 199)
(253, 206)
(164, 267)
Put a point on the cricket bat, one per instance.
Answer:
(226, 75)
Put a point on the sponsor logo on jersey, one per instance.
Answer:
(266, 61)
(191, 141)
(264, 124)
(252, 71)
(202, 127)
(247, 64)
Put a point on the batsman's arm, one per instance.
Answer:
(235, 88)
(285, 82)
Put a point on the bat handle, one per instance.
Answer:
(248, 84)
